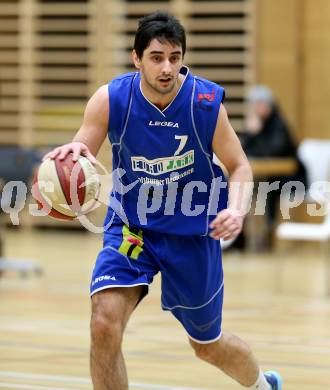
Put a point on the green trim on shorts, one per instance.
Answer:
(132, 244)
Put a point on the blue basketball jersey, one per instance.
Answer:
(164, 157)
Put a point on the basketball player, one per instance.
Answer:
(164, 125)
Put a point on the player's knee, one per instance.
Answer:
(208, 352)
(106, 329)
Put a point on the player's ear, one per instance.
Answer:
(136, 60)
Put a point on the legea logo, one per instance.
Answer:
(164, 124)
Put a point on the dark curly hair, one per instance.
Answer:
(162, 26)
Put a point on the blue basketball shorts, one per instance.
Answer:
(190, 267)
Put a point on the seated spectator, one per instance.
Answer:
(267, 135)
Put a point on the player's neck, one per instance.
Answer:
(158, 99)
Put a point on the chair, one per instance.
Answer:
(17, 164)
(315, 155)
(305, 231)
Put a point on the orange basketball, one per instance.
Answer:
(66, 189)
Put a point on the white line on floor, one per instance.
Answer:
(74, 379)
(28, 387)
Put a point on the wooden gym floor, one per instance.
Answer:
(277, 303)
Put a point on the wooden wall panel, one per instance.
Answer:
(54, 54)
(60, 69)
(278, 52)
(293, 56)
(316, 71)
(9, 71)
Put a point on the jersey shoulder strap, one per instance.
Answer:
(120, 95)
(207, 99)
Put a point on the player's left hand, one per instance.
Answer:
(227, 224)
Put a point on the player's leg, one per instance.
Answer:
(232, 355)
(192, 289)
(123, 270)
(111, 309)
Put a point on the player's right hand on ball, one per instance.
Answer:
(76, 148)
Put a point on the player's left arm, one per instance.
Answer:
(227, 147)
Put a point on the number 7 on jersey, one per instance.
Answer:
(183, 140)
